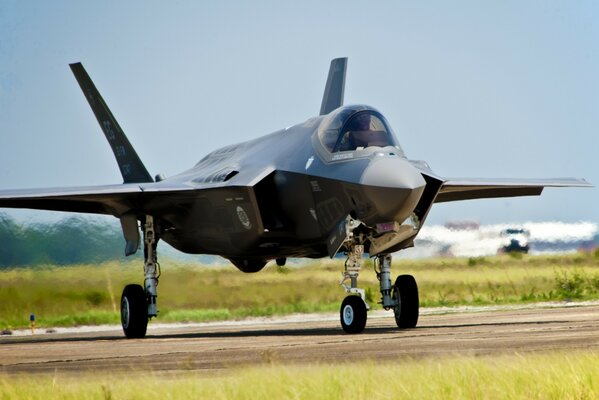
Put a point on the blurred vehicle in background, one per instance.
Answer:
(515, 240)
(469, 239)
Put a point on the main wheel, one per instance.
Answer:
(353, 314)
(406, 291)
(134, 312)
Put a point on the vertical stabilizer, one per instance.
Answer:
(335, 87)
(132, 169)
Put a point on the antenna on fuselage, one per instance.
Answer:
(335, 87)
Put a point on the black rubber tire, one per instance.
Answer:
(353, 314)
(134, 312)
(406, 313)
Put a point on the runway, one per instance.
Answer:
(316, 339)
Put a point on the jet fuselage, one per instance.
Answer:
(282, 195)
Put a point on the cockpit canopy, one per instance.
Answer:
(353, 128)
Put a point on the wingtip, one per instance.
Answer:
(587, 183)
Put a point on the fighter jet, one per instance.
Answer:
(336, 183)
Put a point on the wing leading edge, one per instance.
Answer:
(113, 200)
(455, 189)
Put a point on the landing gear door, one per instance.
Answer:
(131, 233)
(337, 237)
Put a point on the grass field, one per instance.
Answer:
(538, 376)
(76, 295)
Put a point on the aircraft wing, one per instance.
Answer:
(109, 199)
(455, 189)
(139, 194)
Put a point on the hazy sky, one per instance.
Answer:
(481, 89)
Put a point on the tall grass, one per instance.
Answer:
(86, 294)
(539, 376)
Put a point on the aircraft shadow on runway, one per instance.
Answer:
(289, 332)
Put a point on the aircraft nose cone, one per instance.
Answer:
(392, 172)
(393, 187)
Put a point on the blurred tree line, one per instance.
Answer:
(69, 241)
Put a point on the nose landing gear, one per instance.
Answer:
(354, 307)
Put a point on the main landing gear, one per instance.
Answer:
(401, 297)
(138, 304)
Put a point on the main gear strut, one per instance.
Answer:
(151, 266)
(138, 304)
(384, 277)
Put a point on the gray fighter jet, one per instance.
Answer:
(338, 182)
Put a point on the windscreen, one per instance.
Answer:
(361, 131)
(352, 130)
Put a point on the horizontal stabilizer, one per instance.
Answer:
(335, 87)
(132, 169)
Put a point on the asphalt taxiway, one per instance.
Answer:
(303, 339)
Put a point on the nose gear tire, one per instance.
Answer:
(353, 314)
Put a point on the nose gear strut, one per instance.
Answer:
(353, 265)
(354, 308)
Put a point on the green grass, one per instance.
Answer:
(539, 376)
(76, 295)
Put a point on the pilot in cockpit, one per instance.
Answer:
(362, 131)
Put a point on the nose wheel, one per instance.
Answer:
(354, 308)
(353, 314)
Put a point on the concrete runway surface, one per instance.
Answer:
(302, 339)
